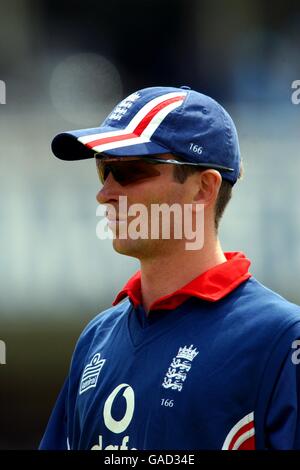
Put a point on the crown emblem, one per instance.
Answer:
(179, 368)
(187, 353)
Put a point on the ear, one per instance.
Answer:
(208, 183)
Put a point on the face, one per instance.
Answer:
(154, 187)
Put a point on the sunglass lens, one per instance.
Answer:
(126, 172)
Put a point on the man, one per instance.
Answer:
(195, 353)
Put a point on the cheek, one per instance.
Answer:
(158, 191)
(176, 194)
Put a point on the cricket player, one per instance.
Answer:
(195, 353)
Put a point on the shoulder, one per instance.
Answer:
(270, 321)
(107, 318)
(264, 306)
(102, 325)
(258, 317)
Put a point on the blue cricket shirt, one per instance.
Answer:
(213, 366)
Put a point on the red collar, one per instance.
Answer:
(211, 285)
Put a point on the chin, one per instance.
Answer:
(126, 247)
(135, 248)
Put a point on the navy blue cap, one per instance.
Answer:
(161, 120)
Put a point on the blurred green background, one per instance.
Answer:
(65, 65)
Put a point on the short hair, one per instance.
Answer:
(181, 173)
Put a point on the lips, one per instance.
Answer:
(115, 224)
(113, 217)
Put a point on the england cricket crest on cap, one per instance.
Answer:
(179, 368)
(121, 109)
(91, 373)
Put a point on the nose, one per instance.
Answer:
(110, 191)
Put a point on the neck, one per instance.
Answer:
(165, 274)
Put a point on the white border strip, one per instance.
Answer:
(246, 420)
(138, 118)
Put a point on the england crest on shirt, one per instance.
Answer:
(179, 368)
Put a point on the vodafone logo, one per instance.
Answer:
(112, 424)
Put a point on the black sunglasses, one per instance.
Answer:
(127, 170)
